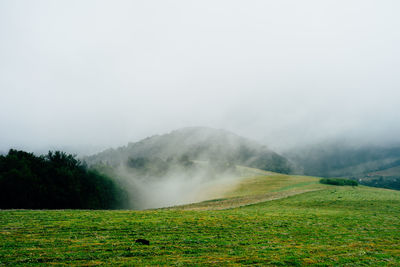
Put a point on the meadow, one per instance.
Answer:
(269, 219)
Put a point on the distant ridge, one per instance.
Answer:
(197, 143)
(370, 165)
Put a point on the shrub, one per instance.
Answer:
(338, 181)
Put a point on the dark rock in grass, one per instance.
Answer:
(142, 241)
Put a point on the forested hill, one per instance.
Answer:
(197, 143)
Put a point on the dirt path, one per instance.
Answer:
(235, 202)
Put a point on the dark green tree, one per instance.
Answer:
(54, 181)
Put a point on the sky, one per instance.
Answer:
(87, 75)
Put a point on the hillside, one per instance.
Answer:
(328, 225)
(395, 171)
(254, 187)
(197, 143)
(386, 178)
(370, 165)
(177, 168)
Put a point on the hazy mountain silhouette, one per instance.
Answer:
(370, 165)
(197, 143)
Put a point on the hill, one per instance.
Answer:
(323, 225)
(176, 168)
(370, 165)
(253, 187)
(197, 143)
(386, 178)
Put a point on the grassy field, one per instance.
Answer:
(304, 223)
(258, 186)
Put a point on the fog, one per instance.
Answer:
(176, 187)
(185, 166)
(83, 76)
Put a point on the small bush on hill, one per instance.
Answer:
(338, 181)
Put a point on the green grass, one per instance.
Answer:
(330, 225)
(264, 186)
(273, 182)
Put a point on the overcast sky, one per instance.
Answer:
(95, 74)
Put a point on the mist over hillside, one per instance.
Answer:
(197, 143)
(172, 168)
(369, 164)
(184, 165)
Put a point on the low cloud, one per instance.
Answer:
(85, 76)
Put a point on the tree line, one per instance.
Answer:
(54, 181)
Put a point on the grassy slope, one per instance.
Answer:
(258, 187)
(333, 225)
